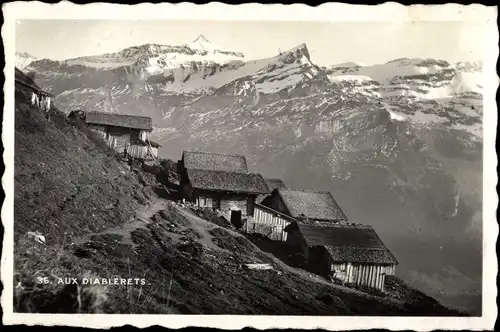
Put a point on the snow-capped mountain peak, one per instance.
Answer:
(23, 59)
(292, 69)
(201, 39)
(156, 58)
(201, 43)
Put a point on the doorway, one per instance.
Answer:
(236, 219)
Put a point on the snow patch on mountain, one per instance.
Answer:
(468, 82)
(386, 72)
(395, 116)
(348, 65)
(343, 78)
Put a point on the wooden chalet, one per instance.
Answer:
(305, 206)
(220, 181)
(26, 87)
(352, 254)
(285, 206)
(127, 134)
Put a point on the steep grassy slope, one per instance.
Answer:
(64, 174)
(102, 220)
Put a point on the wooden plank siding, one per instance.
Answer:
(372, 276)
(141, 151)
(125, 139)
(268, 222)
(116, 138)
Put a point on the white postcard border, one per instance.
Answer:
(217, 11)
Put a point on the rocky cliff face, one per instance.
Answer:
(398, 144)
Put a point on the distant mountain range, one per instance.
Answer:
(399, 144)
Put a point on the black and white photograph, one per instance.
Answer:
(244, 165)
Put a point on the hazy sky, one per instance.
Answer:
(328, 42)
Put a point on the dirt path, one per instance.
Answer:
(203, 226)
(142, 218)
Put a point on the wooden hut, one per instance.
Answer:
(207, 161)
(26, 88)
(305, 206)
(352, 254)
(220, 181)
(127, 134)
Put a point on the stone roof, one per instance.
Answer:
(215, 161)
(119, 120)
(348, 242)
(313, 205)
(249, 183)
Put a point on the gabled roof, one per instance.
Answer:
(313, 205)
(250, 183)
(26, 81)
(347, 243)
(215, 161)
(119, 120)
(361, 255)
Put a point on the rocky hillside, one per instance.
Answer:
(398, 144)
